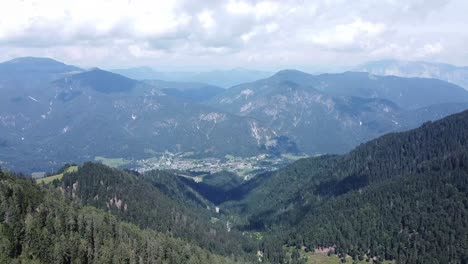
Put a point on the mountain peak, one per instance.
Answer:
(102, 81)
(38, 64)
(287, 72)
(292, 75)
(34, 61)
(30, 59)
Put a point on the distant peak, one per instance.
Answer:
(101, 81)
(288, 73)
(39, 64)
(33, 60)
(97, 69)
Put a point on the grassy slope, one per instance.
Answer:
(59, 176)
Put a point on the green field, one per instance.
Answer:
(313, 258)
(112, 162)
(50, 179)
(323, 258)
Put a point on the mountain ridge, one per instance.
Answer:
(98, 113)
(447, 72)
(373, 201)
(345, 109)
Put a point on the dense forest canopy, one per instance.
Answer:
(401, 197)
(40, 225)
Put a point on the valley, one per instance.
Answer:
(245, 167)
(294, 168)
(233, 132)
(400, 190)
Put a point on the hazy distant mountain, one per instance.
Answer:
(34, 65)
(52, 111)
(140, 73)
(442, 71)
(222, 78)
(98, 113)
(332, 113)
(197, 92)
(406, 92)
(98, 80)
(148, 73)
(414, 118)
(228, 78)
(30, 72)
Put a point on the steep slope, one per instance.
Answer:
(422, 69)
(413, 118)
(98, 113)
(216, 187)
(39, 225)
(420, 218)
(331, 113)
(400, 191)
(144, 201)
(98, 80)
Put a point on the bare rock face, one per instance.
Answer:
(332, 113)
(67, 114)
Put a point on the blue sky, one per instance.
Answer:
(206, 34)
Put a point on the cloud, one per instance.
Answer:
(358, 34)
(206, 19)
(233, 32)
(431, 49)
(262, 9)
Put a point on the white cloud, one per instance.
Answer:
(206, 19)
(239, 7)
(271, 27)
(260, 10)
(432, 48)
(233, 32)
(358, 34)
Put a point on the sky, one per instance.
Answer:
(218, 34)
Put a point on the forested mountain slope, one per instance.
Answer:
(402, 196)
(146, 202)
(40, 225)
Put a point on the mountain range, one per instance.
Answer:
(442, 71)
(197, 92)
(53, 113)
(221, 78)
(332, 113)
(99, 113)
